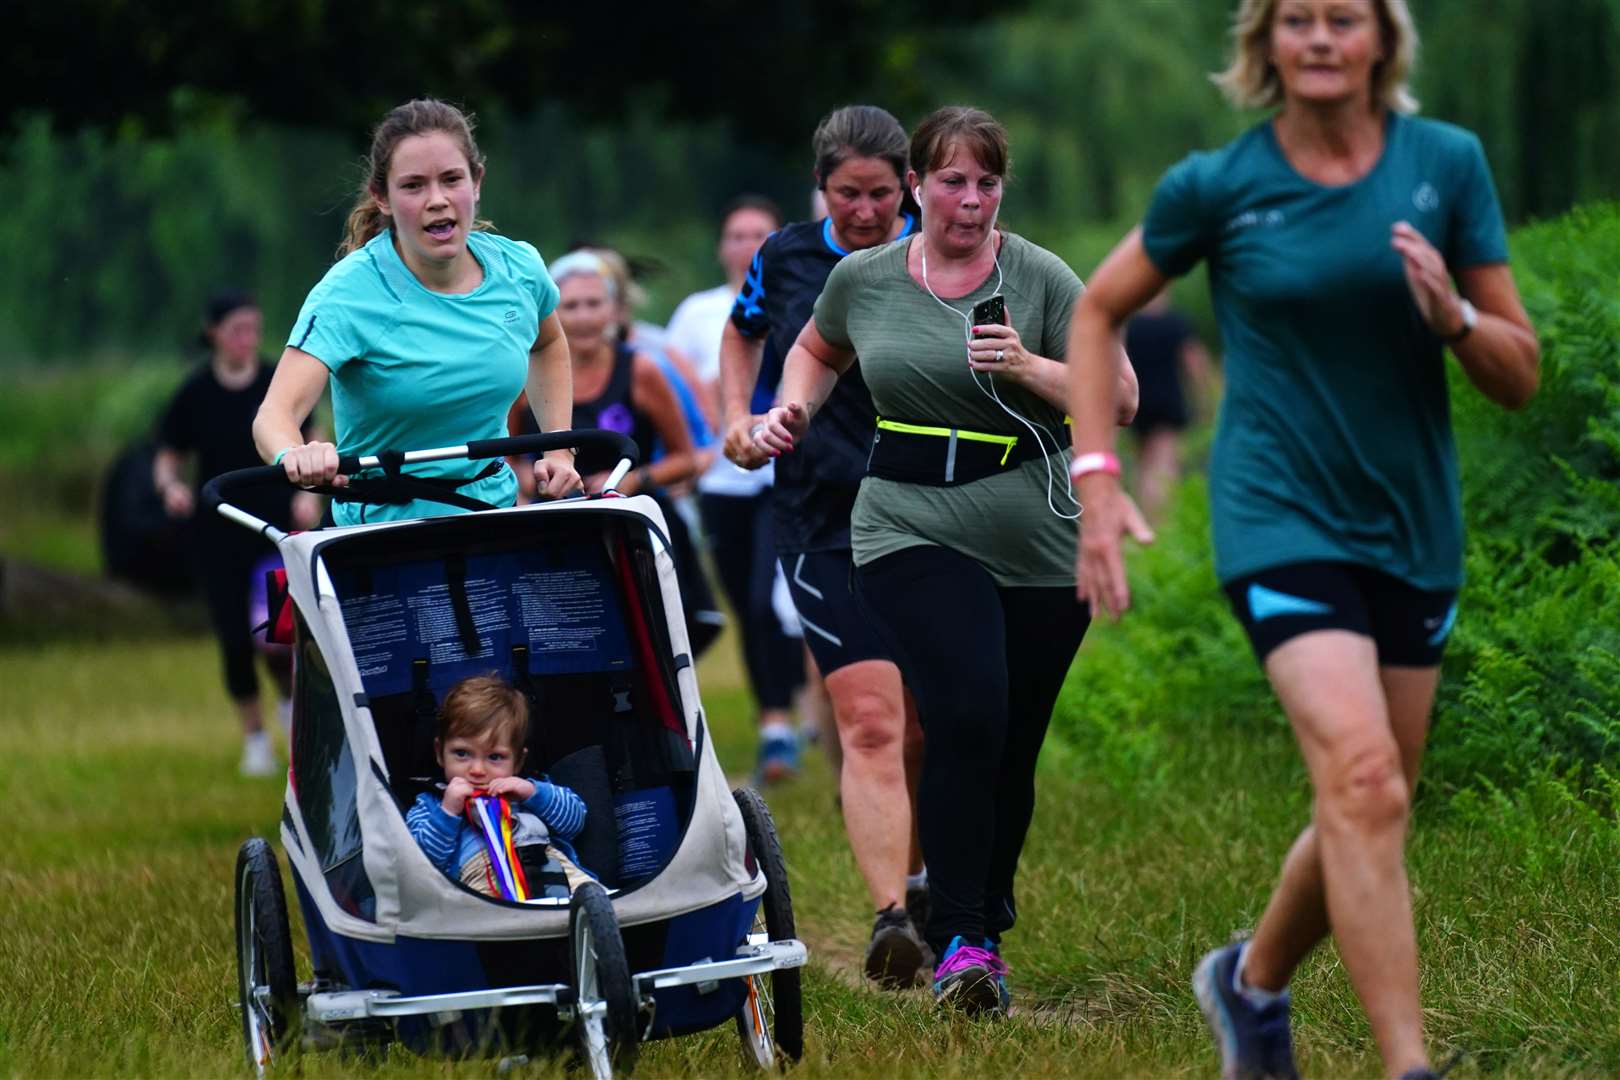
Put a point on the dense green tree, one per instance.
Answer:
(110, 63)
(157, 150)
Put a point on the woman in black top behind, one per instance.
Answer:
(210, 421)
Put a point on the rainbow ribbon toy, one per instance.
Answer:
(491, 815)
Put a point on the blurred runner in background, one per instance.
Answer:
(1163, 348)
(208, 426)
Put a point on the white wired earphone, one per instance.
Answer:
(1036, 430)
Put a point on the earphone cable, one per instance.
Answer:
(1036, 430)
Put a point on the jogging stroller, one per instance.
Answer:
(575, 602)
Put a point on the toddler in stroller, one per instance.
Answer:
(483, 729)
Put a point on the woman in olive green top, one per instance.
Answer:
(1332, 233)
(961, 533)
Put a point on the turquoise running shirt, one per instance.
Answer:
(1334, 440)
(413, 369)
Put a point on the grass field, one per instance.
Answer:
(124, 813)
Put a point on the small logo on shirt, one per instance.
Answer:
(1252, 218)
(1425, 198)
(511, 315)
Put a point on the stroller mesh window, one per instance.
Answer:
(324, 781)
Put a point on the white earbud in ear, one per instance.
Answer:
(916, 193)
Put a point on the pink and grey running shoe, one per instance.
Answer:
(972, 978)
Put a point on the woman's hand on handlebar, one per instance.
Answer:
(314, 464)
(783, 429)
(555, 475)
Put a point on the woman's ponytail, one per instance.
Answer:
(365, 221)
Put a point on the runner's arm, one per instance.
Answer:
(1502, 355)
(550, 390)
(1121, 286)
(168, 483)
(295, 388)
(651, 395)
(740, 359)
(809, 374)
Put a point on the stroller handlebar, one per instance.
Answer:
(217, 491)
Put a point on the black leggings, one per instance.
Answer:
(985, 664)
(224, 558)
(739, 533)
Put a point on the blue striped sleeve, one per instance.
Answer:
(748, 312)
(434, 831)
(562, 811)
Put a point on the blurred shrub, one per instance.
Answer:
(1531, 685)
(59, 428)
(1533, 671)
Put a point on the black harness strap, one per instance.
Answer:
(528, 686)
(455, 575)
(396, 488)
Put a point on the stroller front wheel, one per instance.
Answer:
(605, 1002)
(771, 1019)
(267, 985)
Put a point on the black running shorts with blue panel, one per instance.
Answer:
(1408, 625)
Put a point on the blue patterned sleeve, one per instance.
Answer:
(748, 313)
(434, 831)
(562, 811)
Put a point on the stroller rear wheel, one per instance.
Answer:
(605, 1000)
(771, 1020)
(266, 982)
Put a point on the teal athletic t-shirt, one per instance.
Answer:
(1334, 440)
(413, 369)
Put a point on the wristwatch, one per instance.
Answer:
(1470, 318)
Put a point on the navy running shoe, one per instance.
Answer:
(1255, 1044)
(778, 757)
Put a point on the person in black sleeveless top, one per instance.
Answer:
(622, 390)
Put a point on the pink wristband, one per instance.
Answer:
(1096, 461)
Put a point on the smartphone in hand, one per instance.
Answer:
(993, 310)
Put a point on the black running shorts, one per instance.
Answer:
(1408, 625)
(835, 626)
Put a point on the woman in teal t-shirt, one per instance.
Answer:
(428, 328)
(1333, 233)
